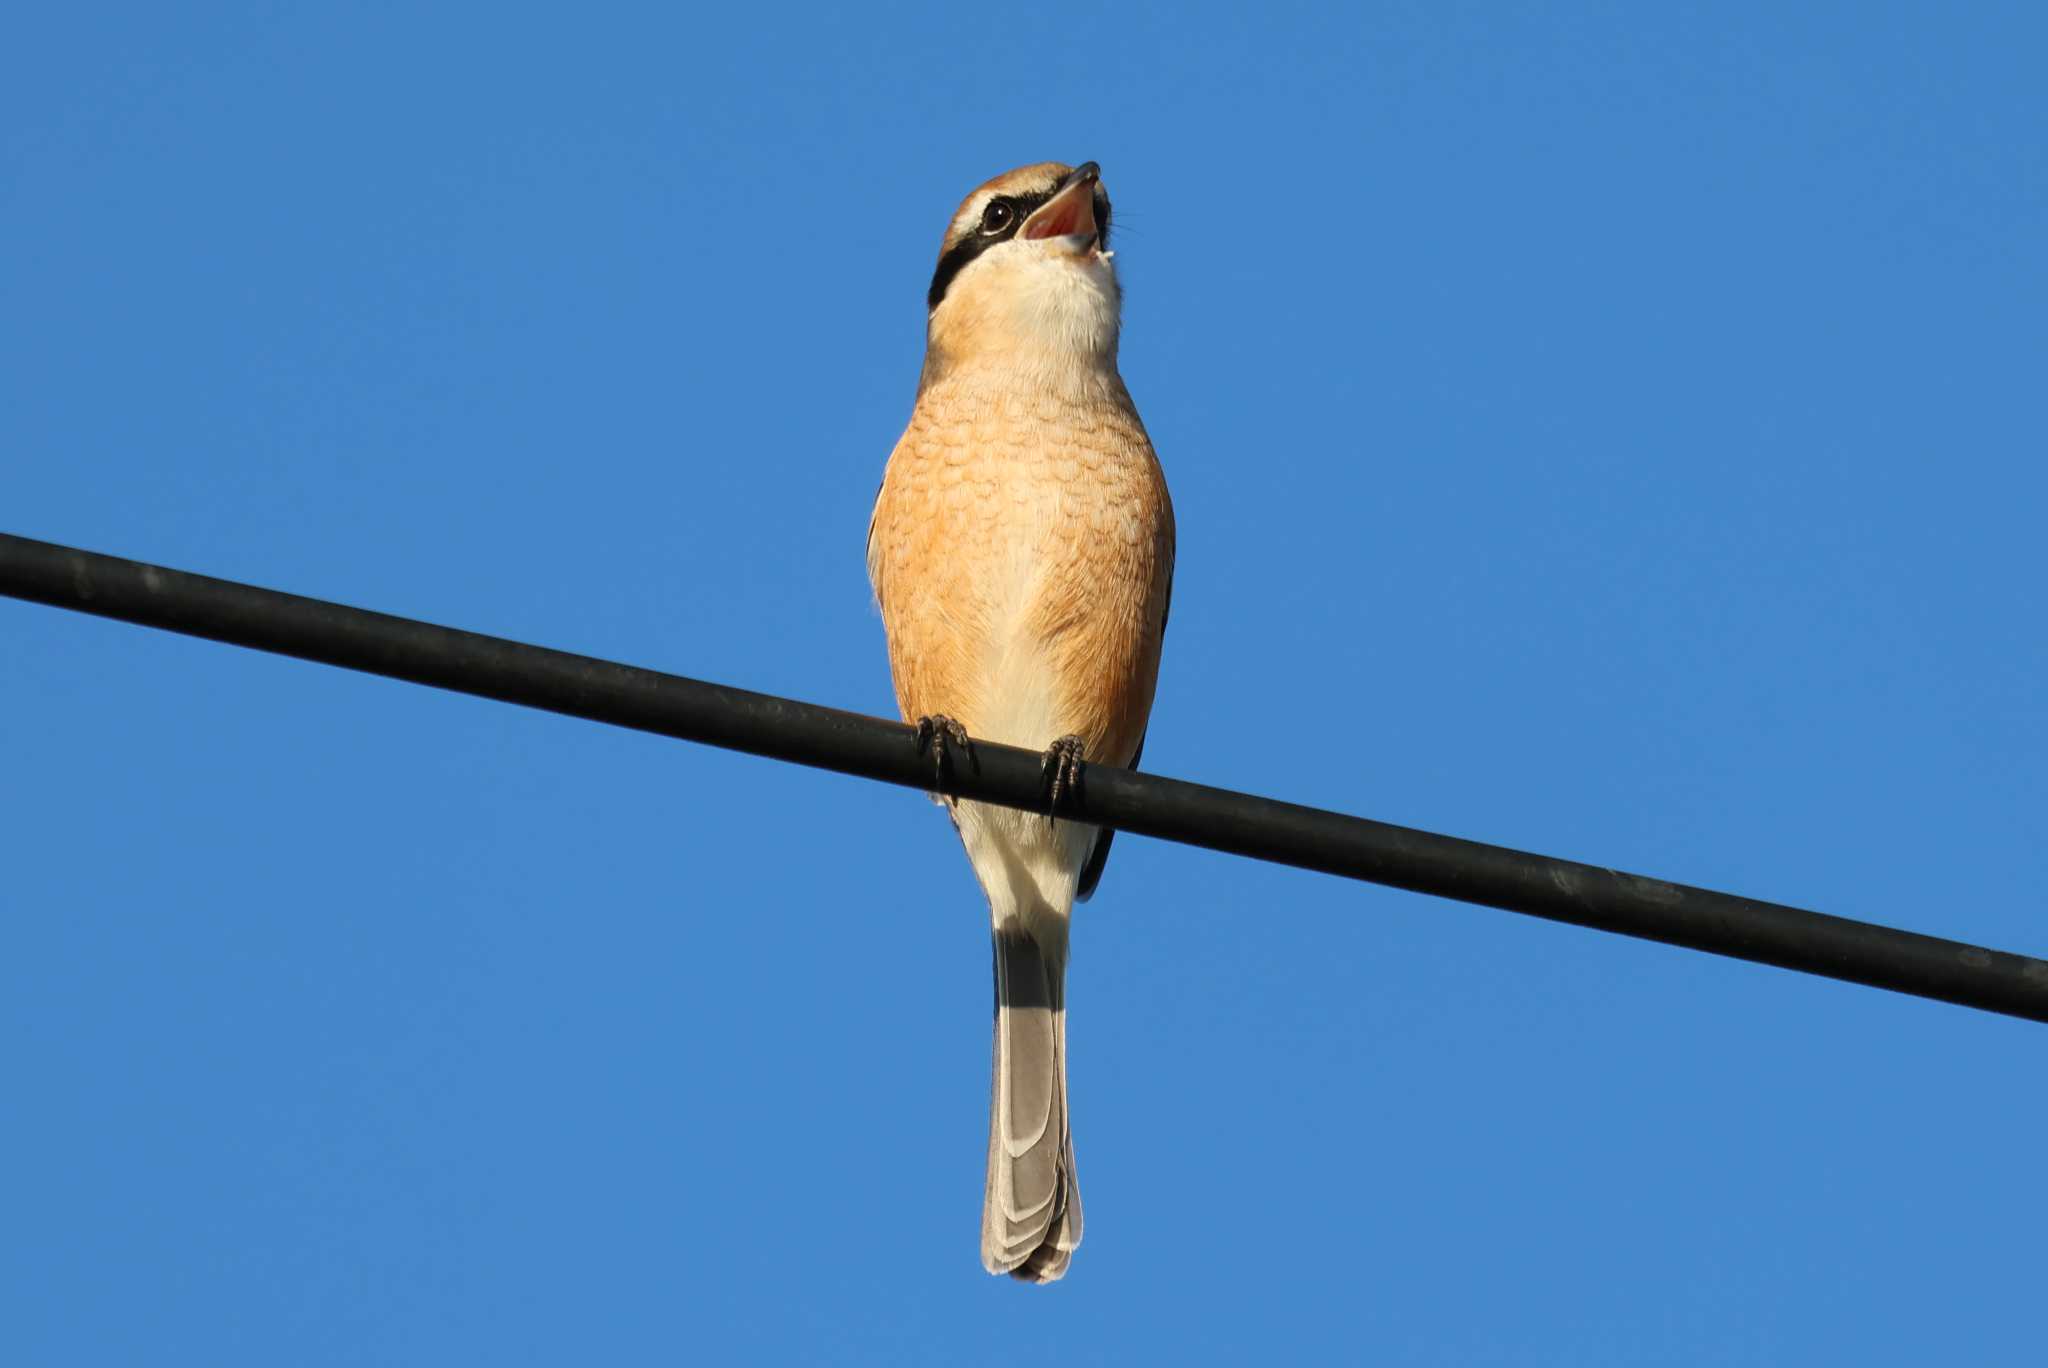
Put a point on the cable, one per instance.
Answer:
(1237, 823)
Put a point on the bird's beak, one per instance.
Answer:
(1070, 213)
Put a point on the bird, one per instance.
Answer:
(1021, 552)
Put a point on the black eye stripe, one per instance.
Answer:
(976, 242)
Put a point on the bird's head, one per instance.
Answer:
(1025, 273)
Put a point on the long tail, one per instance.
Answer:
(1031, 1213)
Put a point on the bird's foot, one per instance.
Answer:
(1061, 772)
(938, 734)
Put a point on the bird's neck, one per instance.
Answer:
(1054, 373)
(1039, 325)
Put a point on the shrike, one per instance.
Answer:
(1022, 552)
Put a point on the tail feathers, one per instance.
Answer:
(1031, 1212)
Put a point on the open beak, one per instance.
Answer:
(1070, 213)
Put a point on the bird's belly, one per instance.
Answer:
(1020, 692)
(1022, 583)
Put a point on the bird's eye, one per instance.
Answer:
(998, 216)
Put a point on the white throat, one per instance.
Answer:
(1064, 302)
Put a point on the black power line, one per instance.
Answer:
(783, 729)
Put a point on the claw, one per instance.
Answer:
(938, 733)
(1062, 772)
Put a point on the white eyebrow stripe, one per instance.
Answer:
(970, 214)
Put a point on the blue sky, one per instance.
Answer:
(1609, 430)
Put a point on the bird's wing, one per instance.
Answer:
(1091, 873)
